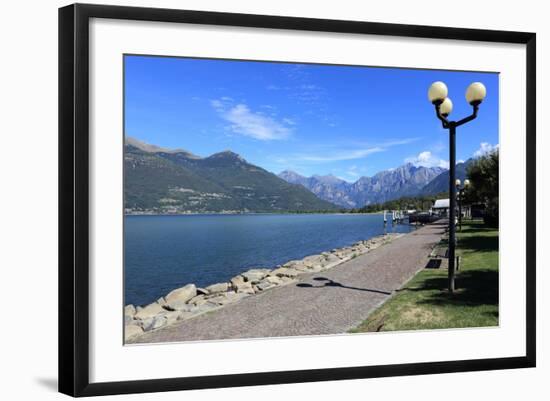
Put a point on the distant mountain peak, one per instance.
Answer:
(227, 154)
(289, 172)
(328, 179)
(146, 147)
(405, 180)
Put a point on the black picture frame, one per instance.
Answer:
(74, 198)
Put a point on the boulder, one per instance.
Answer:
(236, 281)
(172, 317)
(246, 288)
(331, 261)
(287, 280)
(161, 301)
(201, 291)
(241, 286)
(159, 321)
(274, 280)
(312, 260)
(147, 324)
(255, 275)
(197, 310)
(285, 272)
(198, 300)
(131, 331)
(292, 263)
(264, 285)
(149, 311)
(300, 267)
(219, 287)
(176, 300)
(129, 310)
(226, 298)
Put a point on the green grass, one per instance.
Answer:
(425, 303)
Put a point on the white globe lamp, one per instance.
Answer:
(437, 92)
(446, 107)
(475, 93)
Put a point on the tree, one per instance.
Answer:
(483, 175)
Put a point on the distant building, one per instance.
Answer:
(441, 207)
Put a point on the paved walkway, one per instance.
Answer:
(328, 302)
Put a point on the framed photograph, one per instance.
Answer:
(251, 199)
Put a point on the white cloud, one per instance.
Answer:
(427, 159)
(289, 121)
(346, 155)
(217, 104)
(341, 153)
(249, 123)
(484, 148)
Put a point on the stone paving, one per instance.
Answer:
(328, 302)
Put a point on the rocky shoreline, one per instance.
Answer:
(189, 301)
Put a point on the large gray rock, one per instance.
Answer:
(313, 260)
(300, 267)
(177, 299)
(147, 324)
(131, 331)
(241, 286)
(129, 310)
(201, 291)
(292, 263)
(159, 321)
(172, 317)
(255, 275)
(226, 298)
(219, 287)
(330, 261)
(285, 272)
(149, 311)
(236, 281)
(264, 285)
(245, 289)
(198, 300)
(275, 280)
(198, 310)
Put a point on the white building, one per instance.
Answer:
(441, 207)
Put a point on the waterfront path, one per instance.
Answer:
(328, 302)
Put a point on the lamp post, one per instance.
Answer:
(437, 94)
(460, 199)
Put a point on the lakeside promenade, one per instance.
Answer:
(328, 302)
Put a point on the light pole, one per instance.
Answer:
(460, 199)
(437, 94)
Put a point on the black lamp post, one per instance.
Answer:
(460, 199)
(437, 94)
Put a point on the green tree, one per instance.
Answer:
(483, 175)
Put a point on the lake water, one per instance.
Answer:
(167, 252)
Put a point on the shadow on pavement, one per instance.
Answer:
(332, 283)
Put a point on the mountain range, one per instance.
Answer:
(441, 182)
(159, 180)
(406, 180)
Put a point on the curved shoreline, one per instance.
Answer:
(189, 301)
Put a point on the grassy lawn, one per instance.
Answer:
(425, 303)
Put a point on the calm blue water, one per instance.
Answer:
(167, 252)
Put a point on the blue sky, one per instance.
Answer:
(313, 119)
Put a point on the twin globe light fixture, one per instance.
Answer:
(466, 183)
(437, 94)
